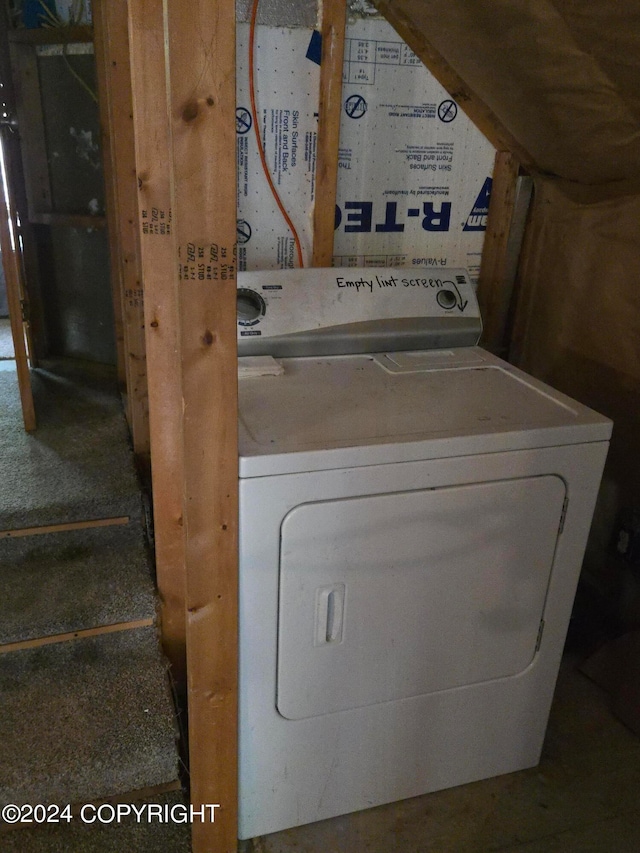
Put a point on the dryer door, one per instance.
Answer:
(389, 596)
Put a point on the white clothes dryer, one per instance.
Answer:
(413, 518)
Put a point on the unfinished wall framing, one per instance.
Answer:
(186, 218)
(114, 86)
(173, 198)
(62, 221)
(398, 175)
(187, 138)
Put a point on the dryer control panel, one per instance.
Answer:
(353, 310)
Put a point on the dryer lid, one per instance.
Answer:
(354, 410)
(337, 311)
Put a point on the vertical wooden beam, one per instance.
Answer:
(111, 42)
(201, 54)
(31, 123)
(493, 290)
(333, 30)
(164, 377)
(523, 311)
(16, 179)
(9, 250)
(106, 145)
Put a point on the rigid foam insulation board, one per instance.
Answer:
(287, 84)
(414, 173)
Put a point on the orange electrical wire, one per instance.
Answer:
(254, 115)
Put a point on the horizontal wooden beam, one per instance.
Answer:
(51, 35)
(151, 792)
(75, 635)
(59, 528)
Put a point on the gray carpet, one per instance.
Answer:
(126, 837)
(77, 465)
(56, 583)
(85, 719)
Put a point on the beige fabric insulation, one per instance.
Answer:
(561, 81)
(562, 78)
(578, 324)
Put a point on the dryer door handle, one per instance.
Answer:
(330, 602)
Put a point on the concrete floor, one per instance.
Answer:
(582, 798)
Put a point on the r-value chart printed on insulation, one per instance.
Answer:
(414, 172)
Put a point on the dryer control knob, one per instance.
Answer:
(250, 306)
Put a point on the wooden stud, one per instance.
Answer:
(36, 333)
(333, 32)
(404, 16)
(111, 41)
(12, 266)
(158, 256)
(150, 793)
(75, 635)
(58, 528)
(200, 47)
(31, 124)
(494, 306)
(523, 310)
(106, 147)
